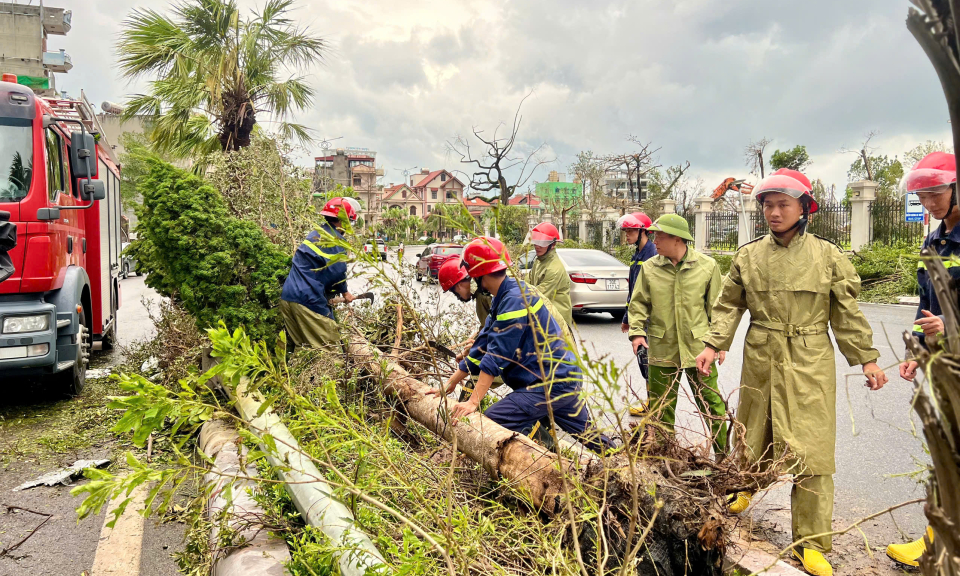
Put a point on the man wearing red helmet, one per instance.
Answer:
(319, 272)
(934, 180)
(548, 273)
(523, 343)
(795, 286)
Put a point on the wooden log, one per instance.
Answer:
(686, 537)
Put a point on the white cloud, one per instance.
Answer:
(698, 78)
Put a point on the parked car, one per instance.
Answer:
(128, 265)
(599, 282)
(428, 266)
(381, 248)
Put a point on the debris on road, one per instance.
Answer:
(95, 373)
(6, 551)
(63, 475)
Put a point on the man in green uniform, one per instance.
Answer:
(794, 285)
(670, 313)
(548, 274)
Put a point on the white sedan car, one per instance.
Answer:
(599, 282)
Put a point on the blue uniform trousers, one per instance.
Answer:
(520, 410)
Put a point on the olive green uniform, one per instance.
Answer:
(307, 328)
(671, 307)
(788, 385)
(483, 302)
(550, 277)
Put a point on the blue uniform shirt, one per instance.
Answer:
(512, 342)
(313, 279)
(945, 245)
(639, 257)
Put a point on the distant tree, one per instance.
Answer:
(795, 159)
(512, 223)
(662, 185)
(915, 154)
(636, 164)
(753, 155)
(590, 170)
(887, 173)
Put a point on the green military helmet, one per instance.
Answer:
(673, 224)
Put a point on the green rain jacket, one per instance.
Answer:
(551, 278)
(678, 301)
(483, 303)
(788, 386)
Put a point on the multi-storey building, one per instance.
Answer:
(424, 191)
(23, 44)
(356, 168)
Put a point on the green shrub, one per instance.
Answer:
(724, 261)
(216, 266)
(887, 271)
(430, 240)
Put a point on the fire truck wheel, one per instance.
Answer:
(72, 381)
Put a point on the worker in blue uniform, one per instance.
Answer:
(522, 343)
(318, 274)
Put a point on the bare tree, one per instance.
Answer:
(637, 165)
(753, 155)
(497, 159)
(864, 153)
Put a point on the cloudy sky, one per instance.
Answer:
(697, 78)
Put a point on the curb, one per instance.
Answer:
(264, 554)
(755, 561)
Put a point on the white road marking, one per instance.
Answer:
(118, 553)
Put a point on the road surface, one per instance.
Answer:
(62, 545)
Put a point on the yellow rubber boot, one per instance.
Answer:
(814, 562)
(910, 552)
(739, 502)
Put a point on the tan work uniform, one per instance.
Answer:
(550, 277)
(788, 384)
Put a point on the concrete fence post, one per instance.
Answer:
(863, 194)
(583, 228)
(668, 206)
(703, 206)
(746, 229)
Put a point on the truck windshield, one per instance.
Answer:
(16, 160)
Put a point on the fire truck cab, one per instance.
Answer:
(60, 182)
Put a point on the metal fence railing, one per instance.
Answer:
(595, 235)
(572, 231)
(722, 231)
(832, 221)
(691, 219)
(887, 223)
(759, 224)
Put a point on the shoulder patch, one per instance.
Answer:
(751, 242)
(839, 247)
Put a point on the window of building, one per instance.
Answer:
(451, 195)
(356, 181)
(443, 176)
(404, 193)
(54, 164)
(429, 208)
(413, 210)
(433, 194)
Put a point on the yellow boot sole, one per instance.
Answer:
(814, 562)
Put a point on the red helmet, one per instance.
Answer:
(934, 173)
(798, 176)
(485, 255)
(635, 221)
(544, 234)
(786, 184)
(335, 205)
(451, 273)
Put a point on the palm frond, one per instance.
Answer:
(280, 98)
(297, 132)
(151, 42)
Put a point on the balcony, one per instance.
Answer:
(56, 20)
(57, 61)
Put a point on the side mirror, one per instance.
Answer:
(94, 189)
(83, 149)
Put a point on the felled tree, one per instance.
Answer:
(934, 27)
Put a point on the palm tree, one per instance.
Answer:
(214, 71)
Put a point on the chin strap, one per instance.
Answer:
(953, 201)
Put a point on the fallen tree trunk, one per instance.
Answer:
(686, 535)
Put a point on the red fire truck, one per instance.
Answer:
(60, 183)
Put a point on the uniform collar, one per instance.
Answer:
(797, 241)
(939, 233)
(509, 285)
(688, 259)
(549, 255)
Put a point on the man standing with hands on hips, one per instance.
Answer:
(795, 285)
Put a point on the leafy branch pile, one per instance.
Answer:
(887, 271)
